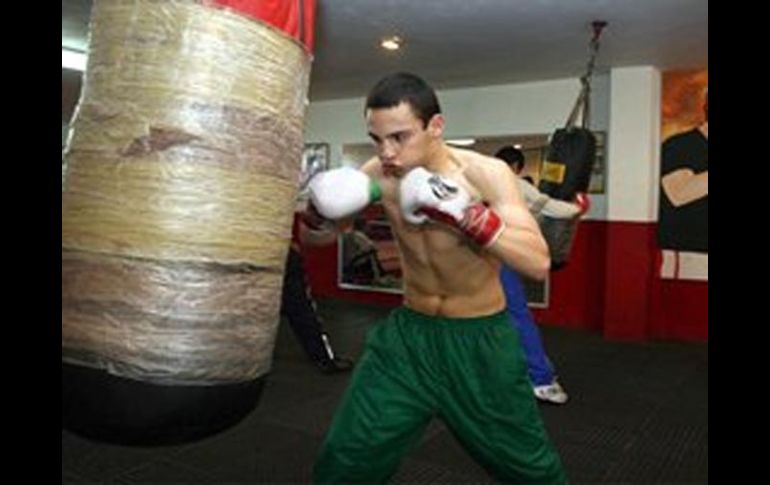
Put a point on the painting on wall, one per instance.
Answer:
(368, 257)
(315, 158)
(683, 194)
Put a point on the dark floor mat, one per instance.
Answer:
(638, 413)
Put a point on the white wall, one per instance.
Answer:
(511, 109)
(634, 145)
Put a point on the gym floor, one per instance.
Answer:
(638, 413)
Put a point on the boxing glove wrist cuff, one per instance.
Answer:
(482, 224)
(375, 191)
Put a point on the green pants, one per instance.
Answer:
(468, 372)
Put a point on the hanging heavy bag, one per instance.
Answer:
(568, 164)
(177, 203)
(567, 168)
(565, 173)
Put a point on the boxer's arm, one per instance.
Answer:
(336, 196)
(316, 236)
(500, 224)
(342, 192)
(520, 245)
(428, 196)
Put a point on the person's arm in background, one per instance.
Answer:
(316, 237)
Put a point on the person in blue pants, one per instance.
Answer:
(540, 369)
(539, 366)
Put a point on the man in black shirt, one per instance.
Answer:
(683, 221)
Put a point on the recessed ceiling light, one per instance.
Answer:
(392, 43)
(517, 146)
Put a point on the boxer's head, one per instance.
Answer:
(404, 120)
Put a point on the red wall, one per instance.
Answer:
(577, 290)
(610, 285)
(629, 271)
(681, 311)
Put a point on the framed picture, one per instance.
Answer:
(536, 292)
(368, 257)
(682, 233)
(315, 158)
(534, 147)
(596, 185)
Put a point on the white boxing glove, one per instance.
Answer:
(341, 192)
(421, 188)
(427, 196)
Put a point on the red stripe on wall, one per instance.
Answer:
(610, 285)
(576, 293)
(680, 311)
(629, 273)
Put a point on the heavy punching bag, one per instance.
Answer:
(565, 172)
(568, 164)
(177, 204)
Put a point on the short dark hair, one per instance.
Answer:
(399, 87)
(511, 155)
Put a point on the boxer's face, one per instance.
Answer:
(400, 138)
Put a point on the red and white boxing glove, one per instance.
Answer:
(428, 196)
(341, 192)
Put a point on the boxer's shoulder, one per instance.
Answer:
(479, 172)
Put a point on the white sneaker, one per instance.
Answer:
(552, 393)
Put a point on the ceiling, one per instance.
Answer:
(466, 43)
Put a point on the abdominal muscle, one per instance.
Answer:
(445, 276)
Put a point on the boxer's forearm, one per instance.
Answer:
(521, 246)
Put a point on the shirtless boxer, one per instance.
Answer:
(450, 351)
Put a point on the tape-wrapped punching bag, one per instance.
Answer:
(177, 204)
